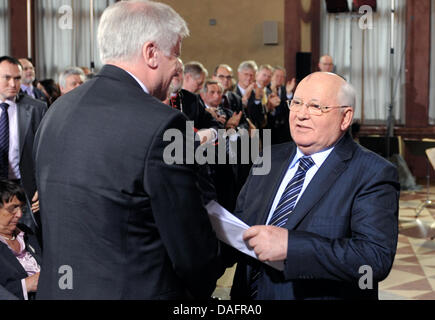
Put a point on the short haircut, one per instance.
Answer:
(195, 68)
(8, 190)
(249, 64)
(11, 60)
(210, 82)
(222, 66)
(126, 25)
(265, 66)
(347, 95)
(279, 68)
(68, 72)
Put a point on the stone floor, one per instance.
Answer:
(413, 273)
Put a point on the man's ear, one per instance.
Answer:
(347, 118)
(150, 54)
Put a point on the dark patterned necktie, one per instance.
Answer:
(282, 211)
(288, 199)
(4, 141)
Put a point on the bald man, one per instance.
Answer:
(328, 209)
(326, 64)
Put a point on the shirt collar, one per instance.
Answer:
(138, 81)
(318, 157)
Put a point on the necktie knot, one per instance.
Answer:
(4, 106)
(306, 163)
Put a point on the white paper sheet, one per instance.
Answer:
(229, 229)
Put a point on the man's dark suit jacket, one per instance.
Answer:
(39, 95)
(30, 113)
(128, 224)
(254, 112)
(12, 272)
(346, 218)
(278, 122)
(192, 106)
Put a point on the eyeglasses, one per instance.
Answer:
(14, 209)
(314, 108)
(221, 76)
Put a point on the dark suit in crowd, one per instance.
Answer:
(346, 218)
(128, 224)
(278, 121)
(38, 94)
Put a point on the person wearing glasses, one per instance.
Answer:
(328, 210)
(20, 252)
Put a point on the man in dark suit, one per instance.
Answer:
(251, 94)
(329, 208)
(24, 116)
(27, 80)
(119, 219)
(277, 119)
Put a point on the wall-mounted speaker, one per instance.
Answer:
(336, 6)
(270, 32)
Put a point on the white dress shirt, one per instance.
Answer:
(318, 159)
(138, 81)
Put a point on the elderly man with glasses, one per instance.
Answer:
(328, 208)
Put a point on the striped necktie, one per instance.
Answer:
(282, 211)
(288, 199)
(4, 141)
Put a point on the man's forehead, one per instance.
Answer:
(319, 86)
(7, 67)
(223, 70)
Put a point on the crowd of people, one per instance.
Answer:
(84, 186)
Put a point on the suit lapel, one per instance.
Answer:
(325, 177)
(24, 120)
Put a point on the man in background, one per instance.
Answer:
(70, 78)
(28, 78)
(194, 76)
(326, 64)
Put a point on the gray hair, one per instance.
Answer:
(211, 82)
(126, 25)
(347, 95)
(195, 68)
(250, 64)
(69, 72)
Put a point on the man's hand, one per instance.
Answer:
(247, 94)
(35, 202)
(32, 282)
(273, 101)
(206, 135)
(290, 86)
(259, 92)
(234, 121)
(269, 242)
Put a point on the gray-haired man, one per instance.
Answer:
(119, 221)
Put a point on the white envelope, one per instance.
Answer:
(229, 229)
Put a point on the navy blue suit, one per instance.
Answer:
(346, 218)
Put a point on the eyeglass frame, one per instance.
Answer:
(323, 109)
(221, 76)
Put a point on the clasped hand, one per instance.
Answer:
(269, 242)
